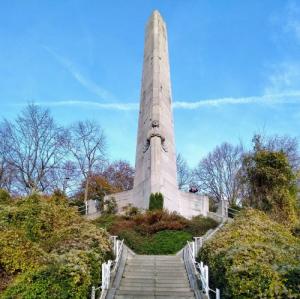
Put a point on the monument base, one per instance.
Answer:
(190, 204)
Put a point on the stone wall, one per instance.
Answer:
(190, 204)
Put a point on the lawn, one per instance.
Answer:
(155, 232)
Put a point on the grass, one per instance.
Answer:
(155, 232)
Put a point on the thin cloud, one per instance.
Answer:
(268, 99)
(92, 104)
(88, 84)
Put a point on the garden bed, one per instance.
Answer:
(155, 232)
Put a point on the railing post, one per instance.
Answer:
(86, 208)
(93, 295)
(206, 279)
(196, 246)
(114, 239)
(117, 249)
(103, 277)
(217, 294)
(193, 250)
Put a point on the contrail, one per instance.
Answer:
(88, 84)
(268, 99)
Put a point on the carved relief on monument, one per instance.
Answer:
(155, 131)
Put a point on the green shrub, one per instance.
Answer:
(271, 185)
(156, 201)
(129, 210)
(4, 197)
(18, 254)
(68, 276)
(49, 249)
(106, 221)
(110, 206)
(38, 217)
(258, 258)
(199, 225)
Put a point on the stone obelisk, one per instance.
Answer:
(155, 152)
(155, 166)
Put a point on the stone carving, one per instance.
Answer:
(155, 132)
(155, 123)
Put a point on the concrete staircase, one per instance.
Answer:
(154, 276)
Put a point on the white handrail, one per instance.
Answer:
(119, 248)
(106, 270)
(201, 270)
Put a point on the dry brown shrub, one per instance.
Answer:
(121, 225)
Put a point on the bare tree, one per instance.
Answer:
(7, 172)
(183, 172)
(87, 144)
(217, 174)
(120, 175)
(33, 145)
(64, 177)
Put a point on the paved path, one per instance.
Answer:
(154, 276)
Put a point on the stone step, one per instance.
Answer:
(154, 277)
(152, 284)
(155, 261)
(168, 267)
(152, 297)
(145, 256)
(155, 271)
(155, 258)
(148, 281)
(150, 276)
(153, 289)
(154, 274)
(155, 293)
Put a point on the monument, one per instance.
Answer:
(155, 166)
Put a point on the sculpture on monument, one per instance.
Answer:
(155, 166)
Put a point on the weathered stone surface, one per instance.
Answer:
(155, 152)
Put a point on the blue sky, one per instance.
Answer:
(235, 66)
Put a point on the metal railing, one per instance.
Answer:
(108, 268)
(200, 269)
(84, 209)
(231, 212)
(117, 249)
